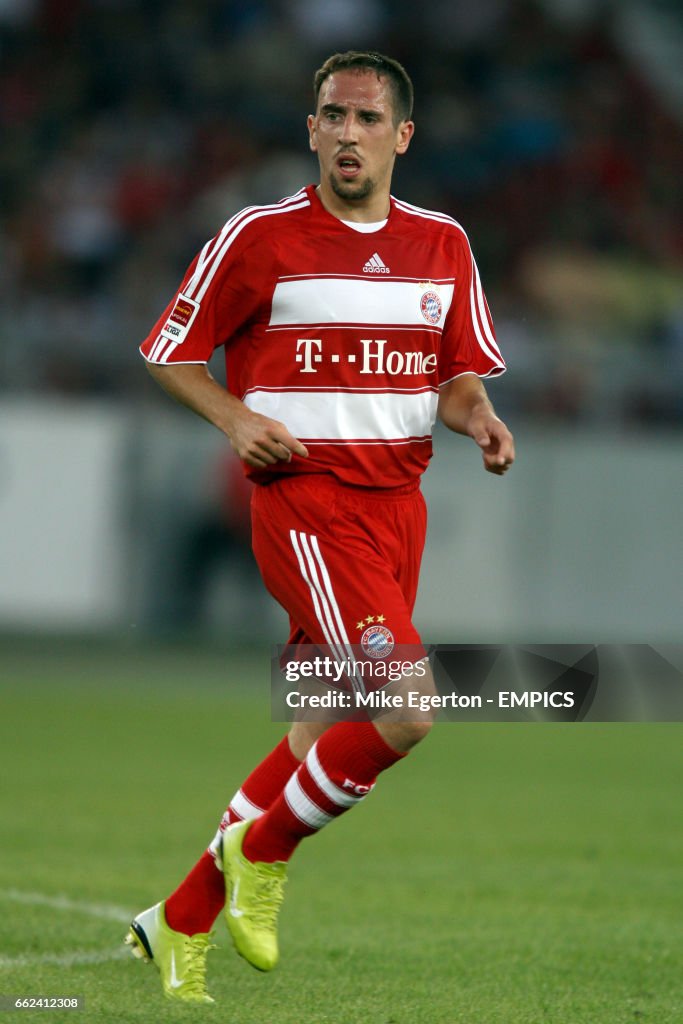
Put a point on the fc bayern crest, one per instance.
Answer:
(377, 641)
(431, 308)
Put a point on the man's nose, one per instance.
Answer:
(349, 129)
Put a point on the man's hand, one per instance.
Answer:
(257, 439)
(465, 408)
(260, 441)
(494, 439)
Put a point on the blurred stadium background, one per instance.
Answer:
(132, 622)
(551, 129)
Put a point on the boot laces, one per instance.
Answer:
(196, 949)
(268, 899)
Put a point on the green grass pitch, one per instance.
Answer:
(502, 874)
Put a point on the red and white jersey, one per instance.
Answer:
(343, 336)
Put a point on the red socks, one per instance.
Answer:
(289, 800)
(265, 783)
(199, 899)
(338, 772)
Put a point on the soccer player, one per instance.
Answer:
(350, 320)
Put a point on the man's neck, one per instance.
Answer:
(364, 211)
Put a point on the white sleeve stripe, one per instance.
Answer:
(176, 362)
(495, 371)
(204, 257)
(419, 211)
(303, 807)
(209, 251)
(481, 302)
(475, 323)
(213, 245)
(483, 322)
(212, 256)
(159, 343)
(168, 352)
(242, 806)
(325, 783)
(201, 292)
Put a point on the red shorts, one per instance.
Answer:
(342, 561)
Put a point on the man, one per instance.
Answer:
(349, 319)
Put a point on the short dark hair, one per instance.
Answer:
(361, 60)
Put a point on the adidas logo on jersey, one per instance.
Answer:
(375, 265)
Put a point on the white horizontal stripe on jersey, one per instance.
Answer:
(361, 277)
(244, 808)
(303, 807)
(350, 416)
(353, 327)
(348, 300)
(339, 796)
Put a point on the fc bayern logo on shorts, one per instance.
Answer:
(377, 641)
(431, 308)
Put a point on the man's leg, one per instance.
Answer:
(174, 934)
(345, 565)
(338, 771)
(199, 899)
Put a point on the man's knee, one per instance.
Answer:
(403, 735)
(409, 723)
(303, 735)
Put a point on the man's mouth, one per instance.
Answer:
(348, 166)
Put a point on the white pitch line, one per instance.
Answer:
(103, 911)
(107, 911)
(73, 959)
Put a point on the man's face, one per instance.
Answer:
(355, 135)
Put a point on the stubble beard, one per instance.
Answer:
(352, 191)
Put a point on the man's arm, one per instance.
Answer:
(465, 408)
(258, 440)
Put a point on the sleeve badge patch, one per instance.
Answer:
(180, 319)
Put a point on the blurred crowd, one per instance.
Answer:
(132, 130)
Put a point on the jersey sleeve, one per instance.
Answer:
(468, 343)
(217, 296)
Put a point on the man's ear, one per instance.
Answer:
(405, 132)
(310, 121)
